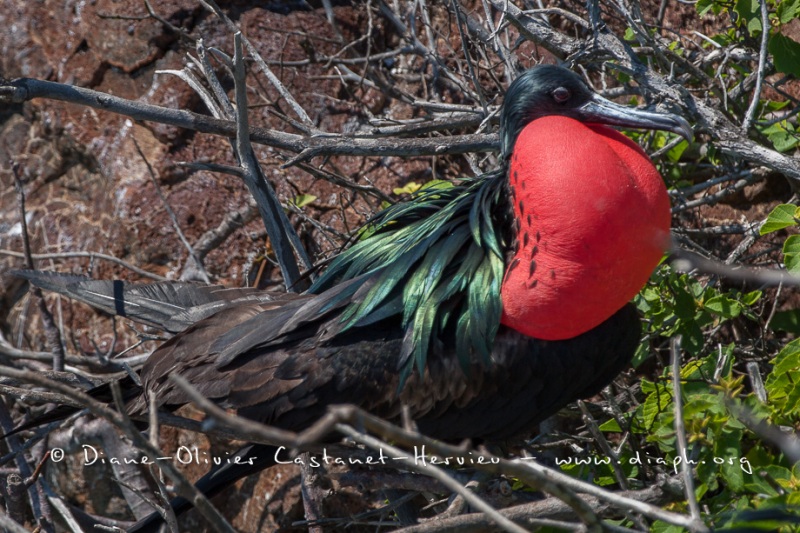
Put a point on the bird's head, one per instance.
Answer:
(547, 90)
(592, 211)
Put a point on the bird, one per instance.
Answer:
(482, 308)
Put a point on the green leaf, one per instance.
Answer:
(772, 105)
(724, 306)
(788, 321)
(701, 405)
(674, 155)
(610, 425)
(692, 336)
(760, 485)
(749, 14)
(788, 10)
(663, 527)
(685, 304)
(782, 135)
(783, 216)
(690, 369)
(647, 386)
(641, 355)
(303, 200)
(655, 404)
(751, 297)
(754, 25)
(791, 252)
(787, 361)
(785, 54)
(703, 6)
(792, 407)
(728, 449)
(781, 383)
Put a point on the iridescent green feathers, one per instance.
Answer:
(438, 263)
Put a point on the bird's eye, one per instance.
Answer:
(561, 95)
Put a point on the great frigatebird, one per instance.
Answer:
(483, 308)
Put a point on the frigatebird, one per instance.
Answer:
(483, 308)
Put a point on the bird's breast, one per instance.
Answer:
(593, 216)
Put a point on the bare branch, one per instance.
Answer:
(680, 430)
(280, 231)
(762, 61)
(24, 89)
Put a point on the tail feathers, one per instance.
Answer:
(102, 393)
(171, 306)
(247, 461)
(53, 415)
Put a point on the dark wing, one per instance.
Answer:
(291, 381)
(283, 361)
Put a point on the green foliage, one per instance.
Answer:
(787, 11)
(749, 15)
(785, 53)
(783, 134)
(735, 471)
(729, 460)
(783, 216)
(791, 254)
(782, 383)
(784, 50)
(788, 321)
(678, 304)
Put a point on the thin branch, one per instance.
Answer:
(296, 107)
(23, 89)
(712, 199)
(8, 524)
(52, 333)
(787, 443)
(198, 262)
(686, 261)
(65, 513)
(281, 234)
(680, 431)
(89, 255)
(231, 222)
(29, 395)
(762, 60)
(601, 441)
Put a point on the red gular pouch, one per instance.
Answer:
(594, 221)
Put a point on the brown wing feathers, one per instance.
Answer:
(284, 360)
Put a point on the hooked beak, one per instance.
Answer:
(600, 110)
